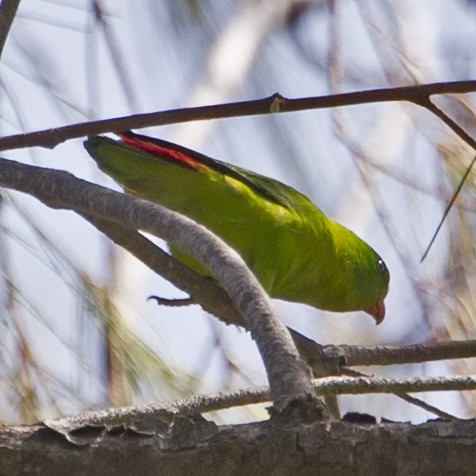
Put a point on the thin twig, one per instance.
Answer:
(359, 385)
(456, 128)
(448, 208)
(406, 397)
(214, 402)
(461, 133)
(410, 354)
(418, 402)
(274, 104)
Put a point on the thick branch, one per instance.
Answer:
(288, 375)
(186, 445)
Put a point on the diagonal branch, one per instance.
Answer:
(288, 375)
(274, 104)
(203, 290)
(461, 133)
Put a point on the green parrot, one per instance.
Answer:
(297, 253)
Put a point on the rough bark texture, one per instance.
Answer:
(192, 446)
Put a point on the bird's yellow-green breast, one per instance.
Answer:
(295, 251)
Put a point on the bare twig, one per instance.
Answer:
(461, 133)
(276, 103)
(456, 128)
(337, 359)
(448, 208)
(358, 385)
(418, 402)
(406, 397)
(181, 302)
(409, 354)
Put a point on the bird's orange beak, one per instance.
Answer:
(377, 311)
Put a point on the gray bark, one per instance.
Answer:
(288, 374)
(179, 445)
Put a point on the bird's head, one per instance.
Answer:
(365, 276)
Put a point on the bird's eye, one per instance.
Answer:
(381, 266)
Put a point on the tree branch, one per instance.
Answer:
(8, 10)
(359, 385)
(203, 290)
(276, 103)
(327, 386)
(288, 375)
(353, 355)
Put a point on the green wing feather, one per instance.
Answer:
(269, 189)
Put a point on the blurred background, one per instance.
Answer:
(77, 331)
